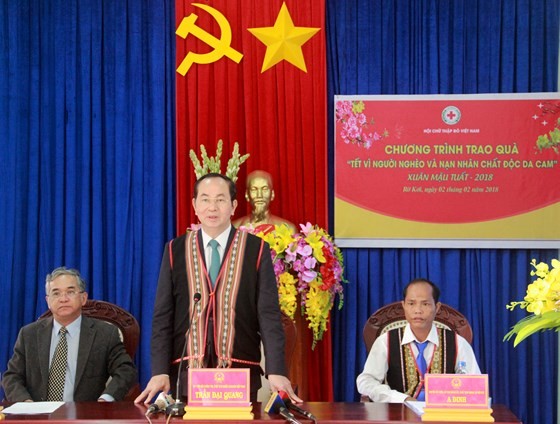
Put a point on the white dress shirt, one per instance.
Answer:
(222, 240)
(372, 381)
(73, 339)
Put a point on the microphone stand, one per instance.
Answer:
(178, 408)
(276, 405)
(292, 406)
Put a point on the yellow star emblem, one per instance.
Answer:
(283, 41)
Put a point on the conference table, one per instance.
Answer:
(325, 412)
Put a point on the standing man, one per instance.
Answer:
(260, 193)
(232, 272)
(396, 364)
(68, 357)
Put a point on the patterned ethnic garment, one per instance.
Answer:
(218, 302)
(403, 374)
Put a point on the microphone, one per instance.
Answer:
(178, 408)
(161, 403)
(290, 405)
(276, 405)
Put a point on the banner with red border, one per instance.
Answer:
(448, 170)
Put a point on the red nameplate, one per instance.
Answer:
(457, 391)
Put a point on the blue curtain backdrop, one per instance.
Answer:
(447, 47)
(87, 153)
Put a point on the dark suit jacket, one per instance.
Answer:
(100, 354)
(257, 313)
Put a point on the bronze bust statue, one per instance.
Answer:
(259, 193)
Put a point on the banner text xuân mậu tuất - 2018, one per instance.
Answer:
(448, 170)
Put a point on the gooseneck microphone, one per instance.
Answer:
(178, 408)
(288, 416)
(276, 405)
(161, 403)
(292, 406)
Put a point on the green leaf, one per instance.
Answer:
(548, 321)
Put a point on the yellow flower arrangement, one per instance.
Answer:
(542, 300)
(310, 265)
(287, 293)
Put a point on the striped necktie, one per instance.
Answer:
(57, 373)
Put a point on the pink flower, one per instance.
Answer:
(298, 266)
(278, 268)
(307, 228)
(310, 261)
(343, 109)
(304, 250)
(308, 276)
(361, 118)
(354, 132)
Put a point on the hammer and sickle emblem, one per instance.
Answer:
(222, 47)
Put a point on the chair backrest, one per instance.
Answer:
(119, 317)
(290, 332)
(392, 316)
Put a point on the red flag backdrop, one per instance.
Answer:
(277, 115)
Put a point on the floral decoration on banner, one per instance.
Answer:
(542, 300)
(546, 114)
(308, 264)
(355, 126)
(550, 140)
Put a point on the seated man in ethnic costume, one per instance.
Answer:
(394, 370)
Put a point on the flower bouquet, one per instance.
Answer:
(542, 300)
(310, 265)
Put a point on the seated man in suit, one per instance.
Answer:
(394, 370)
(68, 357)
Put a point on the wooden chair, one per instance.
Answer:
(290, 333)
(391, 316)
(123, 320)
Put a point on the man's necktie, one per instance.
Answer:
(422, 366)
(57, 373)
(214, 261)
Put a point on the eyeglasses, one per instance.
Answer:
(70, 294)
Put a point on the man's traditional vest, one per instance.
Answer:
(403, 375)
(217, 305)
